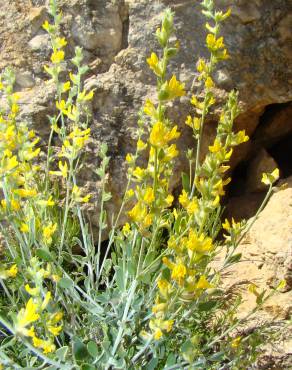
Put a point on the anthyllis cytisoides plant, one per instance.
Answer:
(152, 298)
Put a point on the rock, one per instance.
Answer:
(37, 16)
(261, 163)
(40, 42)
(24, 79)
(277, 123)
(99, 28)
(266, 261)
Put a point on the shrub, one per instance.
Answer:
(154, 300)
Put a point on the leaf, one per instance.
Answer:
(206, 306)
(65, 283)
(92, 349)
(132, 268)
(44, 254)
(218, 356)
(88, 367)
(79, 350)
(185, 182)
(152, 364)
(106, 196)
(120, 278)
(61, 353)
(235, 258)
(150, 257)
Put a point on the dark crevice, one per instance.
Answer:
(125, 34)
(274, 134)
(282, 153)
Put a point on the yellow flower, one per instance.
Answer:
(57, 56)
(138, 213)
(126, 229)
(129, 193)
(157, 334)
(129, 158)
(48, 231)
(37, 342)
(27, 315)
(226, 225)
(86, 198)
(157, 325)
(147, 222)
(83, 96)
(26, 193)
(12, 163)
(203, 283)
(163, 286)
(55, 330)
(169, 200)
(48, 347)
(57, 317)
(47, 203)
(241, 137)
(24, 228)
(30, 332)
(10, 273)
(63, 170)
(214, 44)
(60, 42)
(199, 244)
(149, 196)
(61, 105)
(153, 63)
(149, 108)
(160, 135)
(139, 173)
(141, 145)
(46, 26)
(235, 342)
(66, 86)
(32, 291)
(270, 178)
(209, 83)
(201, 66)
(184, 199)
(175, 88)
(216, 147)
(170, 153)
(179, 272)
(192, 207)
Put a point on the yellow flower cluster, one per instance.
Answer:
(34, 320)
(17, 154)
(11, 272)
(153, 196)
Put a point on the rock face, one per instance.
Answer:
(117, 36)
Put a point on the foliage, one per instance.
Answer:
(152, 299)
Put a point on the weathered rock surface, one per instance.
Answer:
(117, 36)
